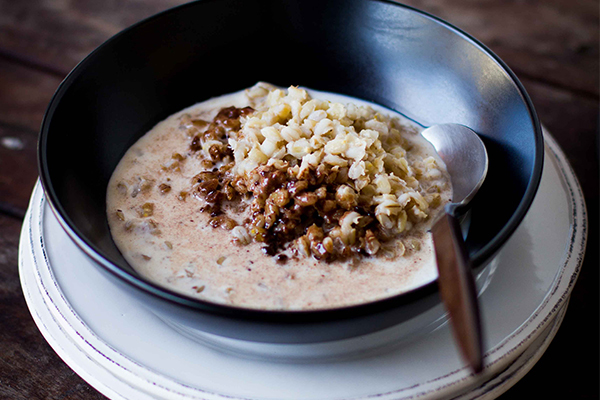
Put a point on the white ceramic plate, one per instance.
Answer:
(125, 351)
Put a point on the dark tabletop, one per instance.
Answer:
(552, 46)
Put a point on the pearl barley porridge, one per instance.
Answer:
(280, 199)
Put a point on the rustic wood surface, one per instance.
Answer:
(552, 46)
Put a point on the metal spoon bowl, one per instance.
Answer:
(466, 161)
(465, 157)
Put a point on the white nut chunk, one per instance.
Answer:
(375, 148)
(349, 179)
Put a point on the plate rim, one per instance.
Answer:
(578, 235)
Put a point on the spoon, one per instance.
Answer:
(466, 160)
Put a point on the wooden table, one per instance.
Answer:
(552, 46)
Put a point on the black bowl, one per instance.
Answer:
(379, 51)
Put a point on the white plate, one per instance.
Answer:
(125, 351)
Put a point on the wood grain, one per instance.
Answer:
(24, 97)
(550, 41)
(24, 94)
(552, 46)
(573, 121)
(19, 168)
(56, 35)
(29, 368)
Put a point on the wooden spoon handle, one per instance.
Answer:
(457, 289)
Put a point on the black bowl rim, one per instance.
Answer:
(282, 316)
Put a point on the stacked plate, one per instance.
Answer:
(126, 352)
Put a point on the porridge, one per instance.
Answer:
(280, 199)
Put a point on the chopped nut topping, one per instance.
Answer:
(141, 185)
(120, 215)
(122, 188)
(324, 179)
(147, 210)
(178, 157)
(199, 289)
(164, 188)
(151, 226)
(182, 196)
